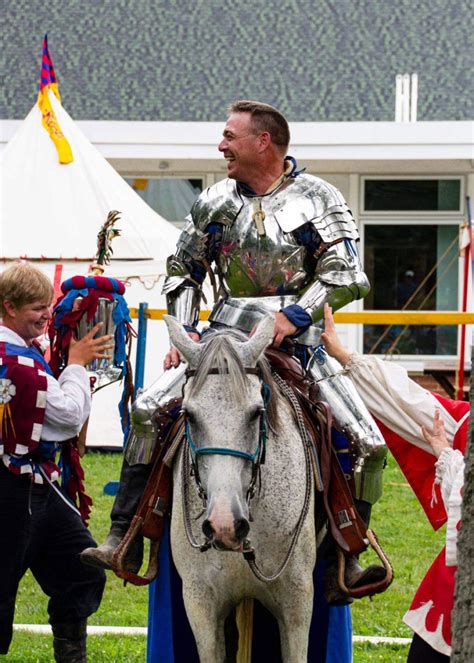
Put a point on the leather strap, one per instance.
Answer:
(149, 519)
(347, 527)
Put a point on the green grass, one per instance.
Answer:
(402, 528)
(34, 648)
(367, 653)
(410, 542)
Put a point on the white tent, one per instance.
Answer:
(55, 211)
(52, 213)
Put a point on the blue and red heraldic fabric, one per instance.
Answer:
(430, 611)
(23, 394)
(81, 295)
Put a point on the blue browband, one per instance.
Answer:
(259, 454)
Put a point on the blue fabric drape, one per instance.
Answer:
(170, 639)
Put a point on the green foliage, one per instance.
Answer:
(398, 519)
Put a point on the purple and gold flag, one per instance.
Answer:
(48, 82)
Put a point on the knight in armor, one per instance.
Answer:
(281, 242)
(42, 529)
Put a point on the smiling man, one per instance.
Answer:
(255, 148)
(283, 243)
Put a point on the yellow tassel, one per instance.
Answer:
(6, 420)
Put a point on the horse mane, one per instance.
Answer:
(220, 352)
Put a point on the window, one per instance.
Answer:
(172, 198)
(416, 195)
(411, 258)
(411, 267)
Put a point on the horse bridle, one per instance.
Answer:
(257, 458)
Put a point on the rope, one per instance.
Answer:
(59, 493)
(415, 294)
(288, 392)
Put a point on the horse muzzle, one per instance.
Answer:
(226, 538)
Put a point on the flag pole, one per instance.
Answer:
(462, 332)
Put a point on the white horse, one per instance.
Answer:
(226, 421)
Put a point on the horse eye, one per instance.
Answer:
(188, 415)
(254, 413)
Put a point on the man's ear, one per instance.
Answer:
(265, 140)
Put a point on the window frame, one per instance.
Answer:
(407, 213)
(204, 177)
(406, 219)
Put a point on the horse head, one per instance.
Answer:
(225, 406)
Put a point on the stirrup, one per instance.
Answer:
(371, 588)
(122, 549)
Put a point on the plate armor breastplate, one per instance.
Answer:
(260, 266)
(264, 268)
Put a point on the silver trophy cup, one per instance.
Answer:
(103, 370)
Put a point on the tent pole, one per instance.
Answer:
(141, 346)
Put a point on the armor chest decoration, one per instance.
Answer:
(260, 266)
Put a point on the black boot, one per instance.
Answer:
(133, 479)
(70, 642)
(354, 575)
(102, 556)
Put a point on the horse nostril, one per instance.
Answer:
(241, 527)
(208, 529)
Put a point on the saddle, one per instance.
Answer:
(346, 526)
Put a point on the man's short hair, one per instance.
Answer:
(265, 118)
(21, 283)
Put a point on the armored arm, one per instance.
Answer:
(338, 277)
(198, 246)
(185, 275)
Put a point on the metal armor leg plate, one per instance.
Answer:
(141, 438)
(353, 419)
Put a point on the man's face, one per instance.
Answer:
(239, 146)
(28, 321)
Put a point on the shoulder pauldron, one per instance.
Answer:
(310, 199)
(219, 203)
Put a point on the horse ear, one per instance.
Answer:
(179, 338)
(253, 348)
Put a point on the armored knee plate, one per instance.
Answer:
(142, 436)
(353, 419)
